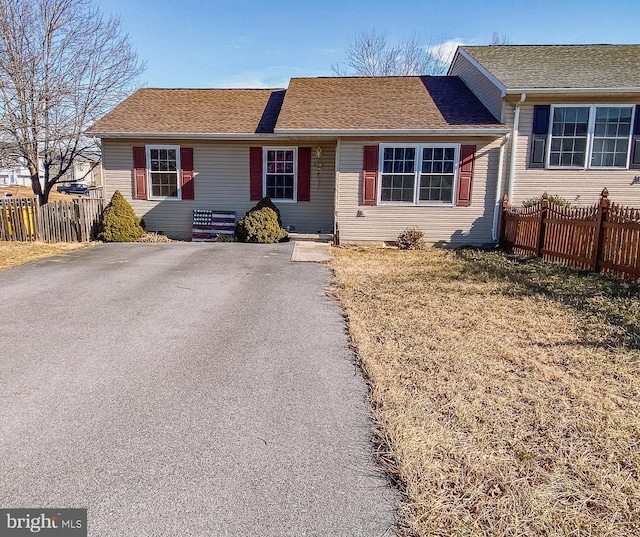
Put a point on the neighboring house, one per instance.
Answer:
(362, 157)
(573, 112)
(13, 171)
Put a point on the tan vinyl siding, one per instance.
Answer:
(441, 225)
(580, 187)
(479, 84)
(221, 183)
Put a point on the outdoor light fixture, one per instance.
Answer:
(319, 152)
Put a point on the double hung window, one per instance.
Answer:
(164, 167)
(590, 136)
(280, 173)
(418, 174)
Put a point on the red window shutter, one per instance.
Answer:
(186, 165)
(139, 173)
(465, 175)
(255, 173)
(370, 175)
(304, 174)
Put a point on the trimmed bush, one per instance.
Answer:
(266, 202)
(119, 222)
(260, 225)
(411, 239)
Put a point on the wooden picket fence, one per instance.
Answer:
(604, 237)
(24, 219)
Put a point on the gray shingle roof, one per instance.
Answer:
(561, 66)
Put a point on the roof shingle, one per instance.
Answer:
(381, 103)
(310, 104)
(561, 66)
(194, 111)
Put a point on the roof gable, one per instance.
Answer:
(528, 67)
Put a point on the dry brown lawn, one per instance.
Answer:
(13, 254)
(506, 394)
(17, 191)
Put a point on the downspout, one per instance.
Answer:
(336, 197)
(514, 146)
(496, 209)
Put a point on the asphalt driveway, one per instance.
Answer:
(185, 389)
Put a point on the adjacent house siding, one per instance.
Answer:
(479, 84)
(222, 183)
(441, 225)
(580, 187)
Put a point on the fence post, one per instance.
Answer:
(502, 222)
(77, 213)
(598, 240)
(544, 211)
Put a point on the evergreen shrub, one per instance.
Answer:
(260, 225)
(119, 222)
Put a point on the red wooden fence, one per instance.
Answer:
(604, 237)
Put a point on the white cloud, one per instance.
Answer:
(446, 48)
(249, 80)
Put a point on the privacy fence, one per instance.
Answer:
(57, 221)
(604, 237)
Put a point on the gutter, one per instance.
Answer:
(480, 131)
(498, 203)
(514, 146)
(284, 133)
(280, 134)
(571, 91)
(182, 135)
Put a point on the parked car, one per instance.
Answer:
(77, 189)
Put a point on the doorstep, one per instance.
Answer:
(318, 237)
(311, 252)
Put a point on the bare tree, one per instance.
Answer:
(370, 54)
(497, 39)
(62, 67)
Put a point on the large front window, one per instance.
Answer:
(611, 136)
(280, 173)
(590, 136)
(418, 174)
(164, 166)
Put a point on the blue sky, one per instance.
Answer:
(264, 43)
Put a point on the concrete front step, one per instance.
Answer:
(316, 237)
(311, 252)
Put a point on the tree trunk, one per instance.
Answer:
(44, 197)
(37, 186)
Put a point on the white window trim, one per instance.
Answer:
(590, 136)
(295, 173)
(418, 167)
(150, 196)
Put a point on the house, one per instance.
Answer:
(365, 158)
(573, 113)
(14, 172)
(361, 157)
